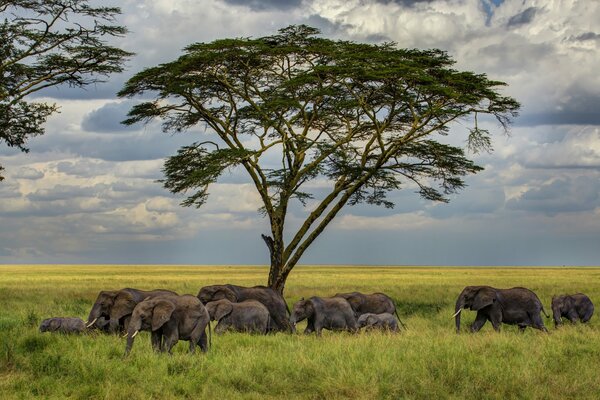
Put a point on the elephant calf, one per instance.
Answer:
(573, 307)
(63, 325)
(383, 321)
(248, 316)
(333, 313)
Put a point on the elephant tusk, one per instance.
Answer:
(91, 323)
(458, 312)
(125, 334)
(135, 333)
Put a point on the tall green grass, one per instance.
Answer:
(428, 361)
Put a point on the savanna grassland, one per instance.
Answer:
(427, 361)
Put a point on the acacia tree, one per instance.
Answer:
(362, 117)
(46, 43)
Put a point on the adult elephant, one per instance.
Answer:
(332, 313)
(116, 306)
(516, 306)
(573, 307)
(170, 319)
(278, 309)
(375, 303)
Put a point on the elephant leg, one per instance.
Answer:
(480, 320)
(572, 316)
(496, 318)
(203, 342)
(537, 323)
(586, 317)
(156, 339)
(522, 328)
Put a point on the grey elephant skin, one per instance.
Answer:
(170, 319)
(249, 316)
(383, 321)
(574, 307)
(332, 313)
(63, 325)
(516, 306)
(272, 300)
(375, 303)
(116, 306)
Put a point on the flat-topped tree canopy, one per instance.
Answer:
(364, 117)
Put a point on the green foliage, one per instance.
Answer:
(428, 360)
(48, 43)
(364, 117)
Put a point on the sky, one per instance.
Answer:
(87, 191)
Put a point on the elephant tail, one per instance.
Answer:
(544, 311)
(209, 335)
(399, 320)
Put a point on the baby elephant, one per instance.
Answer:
(384, 322)
(247, 316)
(63, 325)
(573, 307)
(332, 313)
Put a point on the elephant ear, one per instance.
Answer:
(222, 310)
(54, 325)
(225, 293)
(161, 313)
(483, 298)
(124, 305)
(372, 320)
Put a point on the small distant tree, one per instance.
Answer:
(365, 118)
(46, 43)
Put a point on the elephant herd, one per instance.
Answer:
(170, 317)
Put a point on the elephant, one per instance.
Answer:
(332, 313)
(515, 306)
(117, 305)
(573, 307)
(170, 319)
(272, 300)
(63, 325)
(383, 321)
(246, 316)
(376, 303)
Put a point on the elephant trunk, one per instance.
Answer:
(132, 331)
(460, 302)
(94, 315)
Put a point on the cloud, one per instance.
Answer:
(107, 119)
(260, 5)
(560, 196)
(28, 173)
(522, 18)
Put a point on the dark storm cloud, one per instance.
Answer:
(150, 144)
(470, 201)
(576, 107)
(523, 17)
(100, 90)
(260, 5)
(584, 37)
(107, 119)
(561, 195)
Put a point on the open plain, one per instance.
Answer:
(427, 361)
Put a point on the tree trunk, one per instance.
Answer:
(275, 272)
